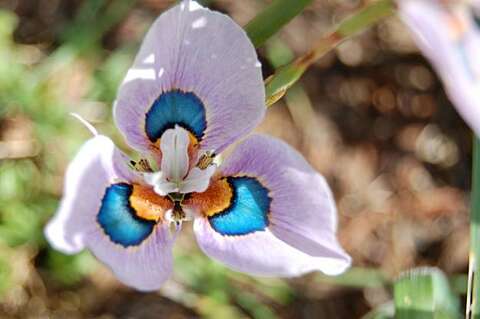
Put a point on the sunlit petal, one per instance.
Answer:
(269, 213)
(198, 69)
(108, 211)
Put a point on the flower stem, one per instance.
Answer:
(473, 305)
(286, 76)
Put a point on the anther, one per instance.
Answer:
(205, 160)
(142, 166)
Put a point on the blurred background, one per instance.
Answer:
(371, 116)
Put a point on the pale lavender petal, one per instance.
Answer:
(262, 254)
(75, 226)
(192, 49)
(301, 219)
(449, 37)
(145, 267)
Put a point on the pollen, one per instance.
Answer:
(205, 160)
(149, 205)
(214, 200)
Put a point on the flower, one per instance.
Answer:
(195, 88)
(448, 34)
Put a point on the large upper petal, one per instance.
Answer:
(97, 212)
(279, 217)
(198, 69)
(449, 37)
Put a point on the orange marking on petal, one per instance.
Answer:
(148, 204)
(193, 147)
(214, 200)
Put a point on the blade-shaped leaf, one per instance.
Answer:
(473, 293)
(273, 18)
(286, 76)
(385, 311)
(424, 293)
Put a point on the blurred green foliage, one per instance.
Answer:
(32, 97)
(273, 18)
(424, 293)
(30, 184)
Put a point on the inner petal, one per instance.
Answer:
(175, 158)
(179, 173)
(197, 180)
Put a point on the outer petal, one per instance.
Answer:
(298, 234)
(78, 222)
(196, 68)
(262, 253)
(448, 36)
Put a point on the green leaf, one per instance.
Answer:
(473, 294)
(94, 19)
(286, 76)
(424, 293)
(273, 18)
(356, 277)
(365, 18)
(385, 311)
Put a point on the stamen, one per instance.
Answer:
(142, 166)
(176, 197)
(174, 227)
(132, 164)
(176, 215)
(205, 160)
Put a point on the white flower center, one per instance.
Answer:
(176, 175)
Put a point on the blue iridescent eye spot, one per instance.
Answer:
(248, 211)
(175, 107)
(118, 220)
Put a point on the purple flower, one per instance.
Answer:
(448, 34)
(195, 88)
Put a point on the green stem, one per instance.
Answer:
(285, 77)
(273, 18)
(364, 277)
(473, 294)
